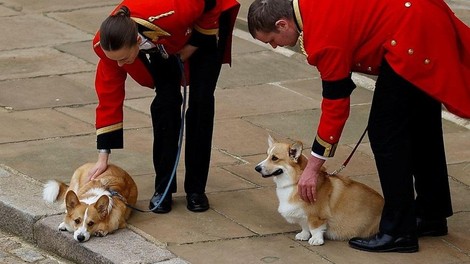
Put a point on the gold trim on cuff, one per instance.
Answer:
(108, 129)
(330, 149)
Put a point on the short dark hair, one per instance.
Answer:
(263, 14)
(118, 31)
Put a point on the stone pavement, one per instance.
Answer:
(47, 103)
(15, 250)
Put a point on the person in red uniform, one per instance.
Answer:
(148, 40)
(421, 54)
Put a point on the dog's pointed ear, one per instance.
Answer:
(71, 200)
(271, 140)
(295, 150)
(102, 205)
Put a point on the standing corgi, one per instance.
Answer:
(344, 208)
(96, 207)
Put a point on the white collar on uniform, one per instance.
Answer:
(145, 44)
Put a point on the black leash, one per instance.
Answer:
(180, 140)
(114, 193)
(345, 163)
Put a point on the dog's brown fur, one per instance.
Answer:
(91, 208)
(344, 208)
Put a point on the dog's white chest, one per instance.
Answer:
(291, 211)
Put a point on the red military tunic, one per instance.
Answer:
(422, 40)
(169, 23)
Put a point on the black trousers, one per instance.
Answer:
(405, 133)
(205, 66)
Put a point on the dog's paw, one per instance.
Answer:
(316, 240)
(62, 227)
(100, 233)
(304, 235)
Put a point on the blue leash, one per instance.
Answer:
(178, 154)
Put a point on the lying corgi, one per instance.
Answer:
(343, 209)
(94, 207)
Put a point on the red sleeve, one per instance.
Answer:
(332, 121)
(333, 63)
(334, 66)
(109, 85)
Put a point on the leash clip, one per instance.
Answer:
(114, 193)
(337, 170)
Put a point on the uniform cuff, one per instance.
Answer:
(323, 148)
(110, 140)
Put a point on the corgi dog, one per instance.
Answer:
(343, 209)
(96, 207)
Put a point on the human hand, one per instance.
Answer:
(307, 185)
(100, 166)
(186, 52)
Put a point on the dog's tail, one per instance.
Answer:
(54, 191)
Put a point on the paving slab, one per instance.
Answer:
(44, 6)
(19, 210)
(252, 100)
(457, 146)
(44, 31)
(460, 172)
(44, 123)
(268, 249)
(14, 249)
(433, 251)
(183, 226)
(42, 92)
(241, 46)
(86, 113)
(5, 11)
(299, 125)
(458, 238)
(83, 51)
(123, 246)
(229, 132)
(86, 19)
(459, 195)
(254, 209)
(37, 62)
(245, 70)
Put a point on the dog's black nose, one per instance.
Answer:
(80, 238)
(258, 168)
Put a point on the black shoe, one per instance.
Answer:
(197, 202)
(431, 227)
(165, 205)
(385, 243)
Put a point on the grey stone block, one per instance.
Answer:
(122, 246)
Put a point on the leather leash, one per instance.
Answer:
(345, 163)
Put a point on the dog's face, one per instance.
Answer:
(282, 159)
(87, 217)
